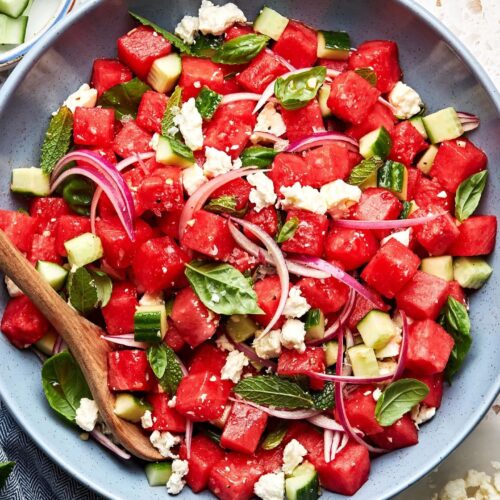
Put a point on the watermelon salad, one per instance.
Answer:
(277, 239)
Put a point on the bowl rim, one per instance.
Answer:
(45, 42)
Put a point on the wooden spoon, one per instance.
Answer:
(84, 342)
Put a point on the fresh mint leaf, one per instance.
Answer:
(206, 45)
(368, 74)
(78, 193)
(180, 149)
(172, 109)
(468, 195)
(165, 366)
(57, 139)
(399, 398)
(82, 290)
(362, 171)
(271, 390)
(64, 385)
(124, 98)
(104, 286)
(325, 400)
(241, 49)
(5, 470)
(207, 102)
(225, 204)
(258, 156)
(222, 288)
(295, 91)
(275, 436)
(288, 230)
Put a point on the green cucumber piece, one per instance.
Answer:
(417, 122)
(31, 181)
(169, 151)
(426, 161)
(150, 323)
(12, 31)
(376, 329)
(303, 484)
(471, 272)
(443, 125)
(375, 143)
(130, 408)
(54, 274)
(331, 351)
(47, 342)
(165, 72)
(363, 361)
(441, 266)
(393, 175)
(270, 23)
(323, 94)
(315, 324)
(158, 473)
(240, 327)
(333, 45)
(13, 8)
(84, 249)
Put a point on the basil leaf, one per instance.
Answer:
(57, 139)
(64, 385)
(78, 193)
(173, 39)
(171, 110)
(368, 74)
(241, 49)
(165, 366)
(271, 390)
(222, 288)
(104, 286)
(275, 436)
(82, 290)
(399, 398)
(206, 45)
(468, 195)
(295, 91)
(405, 212)
(325, 400)
(207, 102)
(362, 171)
(5, 470)
(455, 320)
(288, 230)
(180, 149)
(124, 98)
(224, 204)
(257, 156)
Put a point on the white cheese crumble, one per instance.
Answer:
(164, 442)
(262, 194)
(190, 124)
(218, 162)
(176, 482)
(340, 195)
(147, 420)
(376, 394)
(402, 236)
(155, 140)
(304, 197)
(267, 346)
(187, 29)
(269, 120)
(152, 299)
(422, 413)
(215, 19)
(12, 289)
(270, 486)
(293, 455)
(293, 333)
(224, 344)
(406, 101)
(87, 414)
(84, 97)
(233, 368)
(172, 402)
(296, 305)
(192, 178)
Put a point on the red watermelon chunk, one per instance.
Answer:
(168, 223)
(267, 219)
(401, 434)
(162, 191)
(303, 122)
(94, 126)
(457, 292)
(69, 227)
(407, 142)
(477, 237)
(288, 169)
(292, 363)
(327, 163)
(173, 338)
(268, 292)
(379, 116)
(436, 236)
(298, 45)
(361, 308)
(44, 248)
(435, 385)
(46, 212)
(309, 238)
(165, 418)
(131, 139)
(107, 73)
(19, 228)
(207, 358)
(151, 111)
(327, 294)
(430, 193)
(242, 260)
(414, 180)
(129, 370)
(237, 30)
(237, 188)
(119, 311)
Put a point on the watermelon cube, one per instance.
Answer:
(44, 248)
(430, 194)
(457, 292)
(46, 212)
(168, 223)
(327, 163)
(165, 418)
(401, 434)
(173, 338)
(69, 227)
(202, 397)
(288, 169)
(151, 111)
(436, 236)
(198, 73)
(239, 189)
(414, 180)
(435, 385)
(237, 30)
(477, 237)
(352, 97)
(268, 292)
(243, 428)
(303, 122)
(391, 268)
(139, 48)
(407, 142)
(298, 45)
(129, 370)
(131, 139)
(292, 363)
(119, 311)
(361, 308)
(423, 296)
(22, 323)
(380, 116)
(107, 73)
(429, 347)
(194, 321)
(327, 294)
(455, 161)
(19, 228)
(309, 237)
(94, 126)
(267, 219)
(162, 191)
(207, 358)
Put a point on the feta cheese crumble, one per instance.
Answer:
(269, 120)
(87, 414)
(164, 442)
(215, 19)
(224, 344)
(218, 162)
(376, 394)
(406, 101)
(270, 486)
(262, 195)
(190, 124)
(152, 299)
(304, 197)
(293, 333)
(233, 368)
(84, 97)
(187, 29)
(12, 289)
(293, 455)
(267, 346)
(154, 142)
(422, 413)
(192, 178)
(296, 305)
(339, 195)
(176, 482)
(402, 236)
(147, 420)
(172, 402)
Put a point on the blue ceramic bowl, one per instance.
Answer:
(434, 62)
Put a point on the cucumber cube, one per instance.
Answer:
(443, 125)
(165, 72)
(331, 350)
(150, 323)
(54, 274)
(31, 181)
(172, 152)
(240, 327)
(84, 249)
(13, 8)
(270, 23)
(417, 122)
(426, 161)
(303, 484)
(333, 45)
(315, 324)
(375, 143)
(12, 31)
(159, 473)
(130, 407)
(471, 272)
(393, 175)
(47, 342)
(441, 266)
(376, 329)
(363, 361)
(323, 94)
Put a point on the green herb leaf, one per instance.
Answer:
(165, 366)
(5, 470)
(206, 45)
(124, 98)
(391, 176)
(399, 398)
(455, 320)
(207, 102)
(368, 74)
(325, 400)
(225, 204)
(222, 288)
(173, 39)
(468, 195)
(295, 91)
(213, 435)
(288, 230)
(258, 156)
(64, 385)
(241, 49)
(173, 107)
(78, 193)
(104, 286)
(275, 436)
(82, 290)
(180, 149)
(362, 171)
(57, 139)
(405, 212)
(271, 390)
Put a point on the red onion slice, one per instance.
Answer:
(342, 445)
(282, 60)
(189, 423)
(387, 104)
(321, 138)
(332, 73)
(126, 340)
(59, 345)
(468, 126)
(107, 443)
(403, 350)
(386, 224)
(39, 354)
(328, 444)
(349, 379)
(325, 423)
(251, 354)
(240, 96)
(469, 121)
(284, 414)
